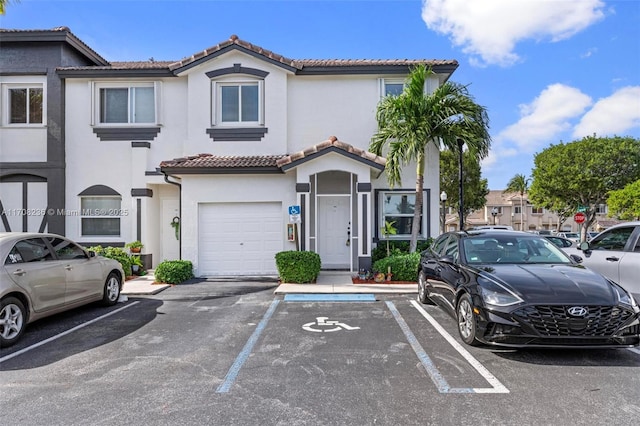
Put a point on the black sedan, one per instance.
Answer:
(516, 289)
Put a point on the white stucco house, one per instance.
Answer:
(224, 142)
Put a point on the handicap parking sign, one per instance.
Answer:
(293, 210)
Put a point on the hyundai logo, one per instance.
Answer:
(577, 311)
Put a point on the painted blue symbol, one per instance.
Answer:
(294, 209)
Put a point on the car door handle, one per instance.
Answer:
(612, 259)
(68, 267)
(19, 272)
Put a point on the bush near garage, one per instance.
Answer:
(396, 247)
(298, 266)
(115, 253)
(174, 271)
(404, 266)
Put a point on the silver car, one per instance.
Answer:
(615, 253)
(44, 274)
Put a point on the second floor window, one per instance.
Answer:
(537, 210)
(238, 103)
(25, 105)
(127, 105)
(391, 87)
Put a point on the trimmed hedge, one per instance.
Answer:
(115, 253)
(298, 266)
(404, 267)
(174, 271)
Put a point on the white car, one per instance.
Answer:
(615, 253)
(570, 236)
(43, 274)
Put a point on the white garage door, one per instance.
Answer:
(239, 238)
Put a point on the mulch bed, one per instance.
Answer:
(357, 280)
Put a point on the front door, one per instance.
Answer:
(334, 232)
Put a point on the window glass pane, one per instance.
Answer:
(230, 103)
(393, 89)
(101, 226)
(399, 203)
(18, 105)
(35, 105)
(113, 105)
(143, 106)
(402, 224)
(250, 103)
(615, 239)
(31, 250)
(92, 206)
(65, 249)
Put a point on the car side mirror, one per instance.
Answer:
(448, 259)
(576, 258)
(92, 253)
(584, 246)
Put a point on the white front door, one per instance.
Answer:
(334, 232)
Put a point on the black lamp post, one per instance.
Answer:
(443, 198)
(494, 213)
(460, 175)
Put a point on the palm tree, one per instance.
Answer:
(520, 184)
(3, 5)
(407, 123)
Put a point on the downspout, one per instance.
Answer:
(166, 179)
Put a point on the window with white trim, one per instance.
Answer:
(391, 86)
(397, 208)
(129, 104)
(238, 102)
(100, 216)
(24, 104)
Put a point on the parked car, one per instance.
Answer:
(570, 235)
(44, 274)
(615, 253)
(504, 227)
(561, 241)
(517, 289)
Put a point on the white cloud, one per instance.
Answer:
(489, 30)
(614, 115)
(548, 115)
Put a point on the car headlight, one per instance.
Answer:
(495, 294)
(624, 296)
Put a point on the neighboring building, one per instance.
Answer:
(32, 125)
(511, 209)
(201, 158)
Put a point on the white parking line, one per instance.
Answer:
(496, 386)
(64, 333)
(636, 350)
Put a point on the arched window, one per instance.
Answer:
(100, 211)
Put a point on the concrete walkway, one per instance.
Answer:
(327, 282)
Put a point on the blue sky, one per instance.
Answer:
(546, 70)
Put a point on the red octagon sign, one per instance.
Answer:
(579, 217)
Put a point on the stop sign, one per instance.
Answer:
(579, 217)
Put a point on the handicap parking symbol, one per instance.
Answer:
(321, 325)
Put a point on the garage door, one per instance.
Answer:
(239, 238)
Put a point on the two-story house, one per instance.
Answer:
(215, 158)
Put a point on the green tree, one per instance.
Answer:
(625, 203)
(475, 188)
(583, 172)
(4, 4)
(519, 184)
(407, 123)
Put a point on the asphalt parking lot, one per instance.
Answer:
(237, 354)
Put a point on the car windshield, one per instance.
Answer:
(512, 249)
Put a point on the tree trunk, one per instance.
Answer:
(417, 214)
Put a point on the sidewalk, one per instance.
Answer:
(327, 282)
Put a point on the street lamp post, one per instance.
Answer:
(494, 213)
(460, 175)
(443, 198)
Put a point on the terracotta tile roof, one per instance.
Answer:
(223, 162)
(296, 64)
(332, 142)
(269, 162)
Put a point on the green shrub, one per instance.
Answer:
(298, 266)
(174, 271)
(115, 253)
(404, 267)
(396, 247)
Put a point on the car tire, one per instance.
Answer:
(467, 326)
(13, 320)
(112, 287)
(422, 289)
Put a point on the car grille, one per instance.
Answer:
(551, 320)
